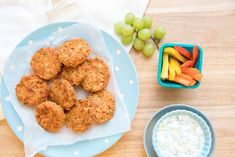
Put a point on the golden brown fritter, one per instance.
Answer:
(74, 75)
(45, 63)
(62, 93)
(103, 106)
(74, 52)
(31, 90)
(50, 116)
(97, 75)
(79, 117)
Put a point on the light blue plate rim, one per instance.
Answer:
(147, 138)
(131, 95)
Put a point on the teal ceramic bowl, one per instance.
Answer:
(198, 65)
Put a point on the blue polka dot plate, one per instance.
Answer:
(127, 81)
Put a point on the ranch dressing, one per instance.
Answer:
(180, 136)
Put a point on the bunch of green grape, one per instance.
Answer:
(137, 30)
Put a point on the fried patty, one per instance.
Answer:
(63, 93)
(75, 75)
(103, 106)
(31, 90)
(79, 117)
(45, 63)
(97, 75)
(50, 116)
(74, 52)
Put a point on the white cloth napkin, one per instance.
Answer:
(20, 17)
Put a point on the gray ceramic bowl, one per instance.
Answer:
(153, 120)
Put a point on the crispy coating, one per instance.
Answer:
(103, 106)
(74, 75)
(79, 117)
(74, 52)
(45, 63)
(50, 116)
(31, 90)
(97, 75)
(63, 93)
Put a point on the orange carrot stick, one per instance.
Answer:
(190, 71)
(197, 77)
(181, 80)
(193, 72)
(183, 51)
(185, 76)
(193, 82)
(187, 64)
(194, 55)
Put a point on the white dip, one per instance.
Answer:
(180, 136)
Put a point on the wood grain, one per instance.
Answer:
(209, 24)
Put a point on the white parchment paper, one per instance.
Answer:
(35, 138)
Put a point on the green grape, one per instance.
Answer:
(159, 32)
(127, 30)
(149, 49)
(144, 34)
(129, 18)
(118, 27)
(126, 40)
(147, 21)
(138, 44)
(138, 23)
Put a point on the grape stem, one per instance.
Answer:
(156, 41)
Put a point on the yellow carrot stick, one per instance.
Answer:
(175, 65)
(172, 52)
(172, 74)
(164, 72)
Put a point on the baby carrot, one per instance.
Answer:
(194, 55)
(187, 64)
(197, 77)
(185, 76)
(182, 80)
(190, 71)
(183, 51)
(193, 72)
(193, 82)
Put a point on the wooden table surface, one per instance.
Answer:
(210, 24)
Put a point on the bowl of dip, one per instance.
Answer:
(179, 131)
